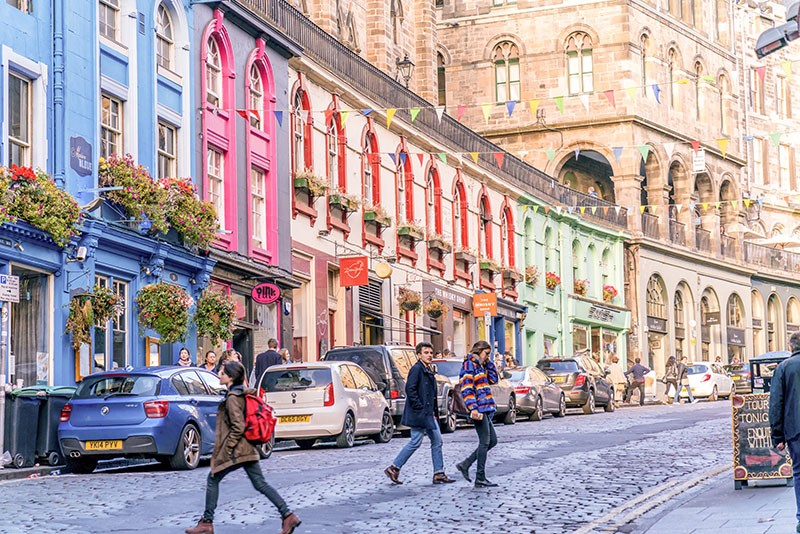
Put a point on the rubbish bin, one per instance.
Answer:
(20, 430)
(47, 445)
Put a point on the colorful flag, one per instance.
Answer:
(611, 98)
(413, 112)
(487, 111)
(510, 107)
(389, 116)
(559, 100)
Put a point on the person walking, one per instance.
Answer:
(232, 451)
(421, 414)
(478, 372)
(637, 371)
(618, 378)
(184, 358)
(670, 378)
(683, 382)
(226, 356)
(266, 359)
(784, 419)
(210, 364)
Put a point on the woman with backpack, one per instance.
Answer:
(232, 451)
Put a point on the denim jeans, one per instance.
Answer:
(688, 390)
(414, 443)
(794, 453)
(486, 440)
(253, 470)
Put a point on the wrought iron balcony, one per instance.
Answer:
(702, 239)
(677, 232)
(650, 225)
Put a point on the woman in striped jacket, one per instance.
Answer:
(477, 375)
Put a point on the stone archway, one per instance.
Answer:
(590, 171)
(710, 325)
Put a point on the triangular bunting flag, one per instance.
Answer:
(498, 157)
(583, 210)
(460, 112)
(787, 68)
(747, 202)
(611, 98)
(535, 209)
(695, 146)
(242, 113)
(558, 210)
(343, 117)
(546, 209)
(606, 208)
(474, 156)
(683, 81)
(510, 105)
(413, 112)
(487, 111)
(734, 204)
(762, 73)
(631, 93)
(256, 114)
(678, 208)
(760, 201)
(708, 78)
(669, 148)
(421, 157)
(577, 153)
(279, 117)
(653, 209)
(393, 157)
(617, 209)
(716, 204)
(723, 146)
(550, 154)
(656, 92)
(366, 112)
(403, 158)
(570, 209)
(642, 208)
(389, 116)
(692, 206)
(439, 112)
(776, 137)
(644, 150)
(534, 104)
(594, 209)
(443, 157)
(704, 205)
(328, 115)
(617, 152)
(559, 100)
(585, 101)
(748, 138)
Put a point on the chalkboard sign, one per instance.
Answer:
(754, 457)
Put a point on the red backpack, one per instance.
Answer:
(259, 423)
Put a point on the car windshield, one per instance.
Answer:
(122, 385)
(368, 359)
(697, 369)
(738, 368)
(448, 369)
(561, 366)
(294, 379)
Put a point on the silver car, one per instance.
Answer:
(332, 401)
(502, 392)
(537, 393)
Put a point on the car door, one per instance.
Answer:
(369, 402)
(602, 386)
(203, 404)
(352, 393)
(546, 387)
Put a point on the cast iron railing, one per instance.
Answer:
(702, 239)
(650, 225)
(677, 232)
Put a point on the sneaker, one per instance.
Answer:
(484, 483)
(464, 470)
(203, 527)
(393, 473)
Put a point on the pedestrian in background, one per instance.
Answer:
(266, 359)
(683, 382)
(670, 378)
(477, 374)
(421, 414)
(617, 377)
(210, 363)
(226, 356)
(286, 356)
(784, 418)
(232, 451)
(511, 362)
(184, 358)
(637, 371)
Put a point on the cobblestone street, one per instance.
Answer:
(558, 475)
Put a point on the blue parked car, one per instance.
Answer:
(167, 413)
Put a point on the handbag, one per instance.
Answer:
(457, 404)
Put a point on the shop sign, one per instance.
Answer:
(657, 324)
(602, 314)
(483, 303)
(587, 311)
(80, 156)
(792, 328)
(757, 323)
(711, 318)
(754, 456)
(266, 293)
(736, 336)
(456, 299)
(9, 288)
(353, 271)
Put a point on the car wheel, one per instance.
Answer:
(305, 443)
(609, 407)
(347, 437)
(511, 415)
(448, 425)
(265, 449)
(538, 411)
(187, 455)
(562, 407)
(714, 395)
(387, 429)
(589, 407)
(80, 466)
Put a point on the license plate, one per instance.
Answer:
(104, 445)
(736, 377)
(294, 419)
(559, 379)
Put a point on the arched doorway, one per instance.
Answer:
(710, 328)
(792, 316)
(657, 322)
(759, 341)
(683, 314)
(591, 171)
(735, 330)
(775, 338)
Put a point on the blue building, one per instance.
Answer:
(81, 80)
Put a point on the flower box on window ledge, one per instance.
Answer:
(440, 243)
(551, 280)
(609, 293)
(466, 255)
(377, 215)
(511, 276)
(581, 287)
(411, 231)
(489, 266)
(346, 203)
(532, 275)
(309, 182)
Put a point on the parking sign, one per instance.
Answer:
(9, 288)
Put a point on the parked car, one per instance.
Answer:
(583, 382)
(389, 365)
(709, 380)
(167, 413)
(740, 374)
(537, 394)
(763, 366)
(331, 401)
(502, 392)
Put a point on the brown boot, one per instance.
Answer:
(441, 478)
(203, 527)
(290, 522)
(393, 473)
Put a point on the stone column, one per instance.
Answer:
(629, 193)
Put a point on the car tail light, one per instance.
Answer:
(327, 400)
(706, 377)
(156, 409)
(580, 380)
(522, 390)
(66, 411)
(394, 394)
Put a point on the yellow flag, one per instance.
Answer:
(389, 116)
(642, 208)
(534, 103)
(723, 146)
(653, 209)
(343, 117)
(747, 202)
(583, 209)
(474, 156)
(487, 111)
(787, 68)
(705, 206)
(631, 93)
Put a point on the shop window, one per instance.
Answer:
(167, 150)
(22, 5)
(333, 284)
(580, 338)
(549, 347)
(165, 43)
(460, 339)
(108, 19)
(111, 338)
(31, 328)
(110, 126)
(20, 119)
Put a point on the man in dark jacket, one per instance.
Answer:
(266, 360)
(637, 371)
(784, 418)
(683, 382)
(421, 414)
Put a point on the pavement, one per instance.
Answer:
(597, 473)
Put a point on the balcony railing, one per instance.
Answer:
(677, 232)
(650, 225)
(727, 246)
(702, 239)
(771, 258)
(385, 91)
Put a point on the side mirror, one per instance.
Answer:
(506, 374)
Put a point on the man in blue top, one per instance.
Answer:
(638, 371)
(784, 415)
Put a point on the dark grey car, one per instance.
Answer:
(583, 381)
(537, 394)
(740, 373)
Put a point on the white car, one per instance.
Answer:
(709, 380)
(326, 400)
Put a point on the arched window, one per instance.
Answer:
(507, 237)
(579, 63)
(301, 132)
(644, 45)
(433, 202)
(213, 74)
(397, 16)
(735, 311)
(332, 142)
(460, 233)
(506, 71)
(773, 324)
(793, 315)
(655, 299)
(698, 75)
(549, 263)
(404, 178)
(484, 227)
(577, 261)
(371, 168)
(256, 100)
(165, 44)
(441, 80)
(680, 325)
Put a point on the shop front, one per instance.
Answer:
(455, 326)
(501, 327)
(597, 329)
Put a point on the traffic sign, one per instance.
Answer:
(9, 288)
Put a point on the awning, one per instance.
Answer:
(253, 270)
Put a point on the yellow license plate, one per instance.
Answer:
(559, 379)
(736, 377)
(104, 445)
(294, 419)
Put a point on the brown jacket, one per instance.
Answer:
(230, 446)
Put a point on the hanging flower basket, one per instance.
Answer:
(551, 280)
(581, 287)
(410, 230)
(531, 275)
(195, 220)
(408, 300)
(306, 180)
(164, 307)
(139, 195)
(489, 266)
(214, 316)
(86, 310)
(343, 201)
(435, 308)
(609, 293)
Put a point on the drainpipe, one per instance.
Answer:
(57, 18)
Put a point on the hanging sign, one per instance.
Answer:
(266, 293)
(9, 288)
(484, 303)
(353, 271)
(699, 161)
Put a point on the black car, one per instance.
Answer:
(583, 381)
(388, 366)
(740, 373)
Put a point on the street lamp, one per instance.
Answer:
(405, 69)
(774, 39)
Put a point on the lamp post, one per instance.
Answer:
(405, 69)
(774, 39)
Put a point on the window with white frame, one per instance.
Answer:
(165, 43)
(506, 72)
(458, 238)
(430, 204)
(579, 64)
(108, 19)
(333, 152)
(369, 176)
(298, 132)
(401, 191)
(167, 150)
(20, 119)
(256, 96)
(258, 205)
(111, 338)
(216, 183)
(22, 5)
(110, 126)
(213, 74)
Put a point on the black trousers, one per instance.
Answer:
(633, 386)
(253, 470)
